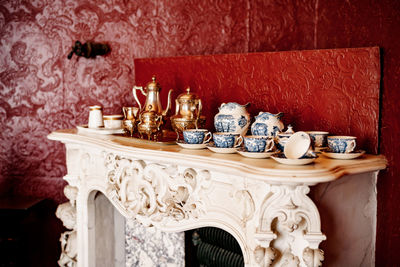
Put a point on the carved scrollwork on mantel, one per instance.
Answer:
(289, 230)
(156, 193)
(66, 212)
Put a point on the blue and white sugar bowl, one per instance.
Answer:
(267, 124)
(283, 137)
(232, 118)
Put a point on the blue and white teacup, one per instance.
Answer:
(342, 144)
(227, 140)
(196, 136)
(318, 139)
(258, 143)
(281, 140)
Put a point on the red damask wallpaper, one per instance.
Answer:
(40, 90)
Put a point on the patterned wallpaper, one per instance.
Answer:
(41, 90)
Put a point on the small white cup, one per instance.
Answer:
(298, 145)
(95, 117)
(113, 121)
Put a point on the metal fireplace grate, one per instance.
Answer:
(216, 248)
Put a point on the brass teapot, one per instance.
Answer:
(150, 125)
(152, 93)
(188, 105)
(187, 113)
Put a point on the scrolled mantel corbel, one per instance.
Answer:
(289, 229)
(157, 193)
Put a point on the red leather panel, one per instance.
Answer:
(335, 90)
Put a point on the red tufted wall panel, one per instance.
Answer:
(335, 90)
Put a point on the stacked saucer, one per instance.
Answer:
(281, 158)
(224, 150)
(255, 155)
(351, 155)
(342, 147)
(191, 146)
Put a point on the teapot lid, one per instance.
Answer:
(153, 85)
(187, 95)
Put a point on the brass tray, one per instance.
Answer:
(167, 138)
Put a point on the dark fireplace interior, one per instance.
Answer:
(212, 247)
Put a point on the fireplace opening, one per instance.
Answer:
(212, 247)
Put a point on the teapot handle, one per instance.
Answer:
(135, 96)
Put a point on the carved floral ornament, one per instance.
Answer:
(155, 192)
(288, 232)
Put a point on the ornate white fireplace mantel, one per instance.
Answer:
(263, 204)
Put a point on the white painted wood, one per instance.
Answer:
(263, 204)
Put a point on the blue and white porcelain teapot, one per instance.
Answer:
(232, 118)
(267, 124)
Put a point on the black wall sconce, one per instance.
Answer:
(89, 49)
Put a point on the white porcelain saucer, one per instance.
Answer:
(191, 146)
(102, 130)
(229, 150)
(254, 155)
(280, 157)
(352, 155)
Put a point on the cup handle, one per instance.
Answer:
(270, 145)
(239, 141)
(351, 146)
(207, 139)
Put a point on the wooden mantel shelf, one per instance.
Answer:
(322, 170)
(176, 189)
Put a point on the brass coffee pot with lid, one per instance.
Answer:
(187, 113)
(152, 93)
(151, 116)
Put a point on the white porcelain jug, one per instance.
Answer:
(232, 118)
(267, 124)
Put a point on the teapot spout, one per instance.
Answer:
(279, 115)
(167, 109)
